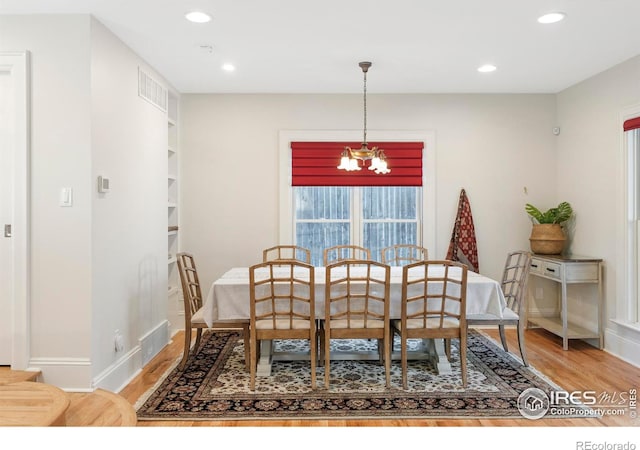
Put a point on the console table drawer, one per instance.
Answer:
(546, 269)
(582, 272)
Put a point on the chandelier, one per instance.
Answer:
(351, 157)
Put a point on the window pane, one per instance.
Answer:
(318, 236)
(389, 202)
(378, 235)
(315, 202)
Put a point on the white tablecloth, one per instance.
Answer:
(228, 297)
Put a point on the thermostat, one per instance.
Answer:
(103, 184)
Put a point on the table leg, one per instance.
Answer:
(438, 356)
(264, 363)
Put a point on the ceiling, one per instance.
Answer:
(416, 46)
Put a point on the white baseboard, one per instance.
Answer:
(154, 341)
(622, 347)
(121, 372)
(75, 374)
(69, 374)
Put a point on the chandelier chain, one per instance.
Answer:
(365, 108)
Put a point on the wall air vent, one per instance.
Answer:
(152, 91)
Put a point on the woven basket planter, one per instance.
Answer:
(547, 239)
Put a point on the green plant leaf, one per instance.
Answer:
(563, 212)
(559, 214)
(534, 212)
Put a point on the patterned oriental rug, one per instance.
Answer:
(215, 386)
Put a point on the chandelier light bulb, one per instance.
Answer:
(344, 162)
(375, 163)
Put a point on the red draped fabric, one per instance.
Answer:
(463, 247)
(631, 124)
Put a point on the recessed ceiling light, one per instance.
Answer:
(228, 67)
(487, 68)
(198, 17)
(552, 17)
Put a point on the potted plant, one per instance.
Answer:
(547, 234)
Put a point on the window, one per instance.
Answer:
(632, 147)
(426, 197)
(373, 217)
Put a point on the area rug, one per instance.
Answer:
(215, 386)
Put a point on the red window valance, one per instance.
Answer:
(315, 164)
(632, 124)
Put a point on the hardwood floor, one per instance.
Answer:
(582, 368)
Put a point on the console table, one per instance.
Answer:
(567, 270)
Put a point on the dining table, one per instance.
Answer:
(228, 298)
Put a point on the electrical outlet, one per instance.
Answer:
(118, 341)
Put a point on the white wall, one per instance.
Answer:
(129, 223)
(101, 264)
(493, 146)
(60, 310)
(591, 175)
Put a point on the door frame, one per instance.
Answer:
(19, 66)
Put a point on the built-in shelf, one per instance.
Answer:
(174, 290)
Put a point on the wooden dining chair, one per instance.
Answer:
(433, 306)
(193, 317)
(514, 287)
(357, 307)
(287, 253)
(282, 297)
(401, 254)
(345, 252)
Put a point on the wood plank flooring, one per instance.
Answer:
(583, 367)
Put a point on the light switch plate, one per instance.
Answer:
(66, 196)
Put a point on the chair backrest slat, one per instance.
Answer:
(402, 254)
(282, 292)
(357, 291)
(344, 253)
(514, 279)
(191, 290)
(434, 290)
(287, 253)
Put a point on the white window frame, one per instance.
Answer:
(357, 222)
(420, 216)
(286, 226)
(628, 305)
